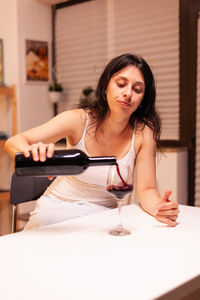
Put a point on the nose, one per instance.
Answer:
(127, 93)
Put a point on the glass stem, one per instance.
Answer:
(119, 203)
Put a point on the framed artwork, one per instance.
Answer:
(37, 61)
(1, 63)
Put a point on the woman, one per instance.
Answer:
(122, 122)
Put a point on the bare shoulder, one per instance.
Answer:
(73, 121)
(66, 124)
(70, 119)
(73, 115)
(144, 139)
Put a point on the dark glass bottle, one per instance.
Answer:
(63, 162)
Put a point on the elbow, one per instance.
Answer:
(6, 145)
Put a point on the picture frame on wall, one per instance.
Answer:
(37, 61)
(1, 63)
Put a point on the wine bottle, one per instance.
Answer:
(63, 162)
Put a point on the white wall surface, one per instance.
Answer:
(20, 20)
(34, 22)
(8, 32)
(172, 174)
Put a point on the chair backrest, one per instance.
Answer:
(24, 189)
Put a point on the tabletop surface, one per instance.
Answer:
(78, 259)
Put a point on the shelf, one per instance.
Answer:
(4, 195)
(2, 143)
(7, 94)
(4, 90)
(11, 92)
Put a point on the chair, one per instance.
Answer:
(25, 189)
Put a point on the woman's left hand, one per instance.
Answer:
(167, 210)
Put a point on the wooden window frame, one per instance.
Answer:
(188, 85)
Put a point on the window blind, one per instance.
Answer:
(197, 164)
(91, 33)
(80, 42)
(151, 29)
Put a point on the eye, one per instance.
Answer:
(120, 85)
(138, 90)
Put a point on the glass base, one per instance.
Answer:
(119, 231)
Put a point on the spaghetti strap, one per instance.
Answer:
(86, 125)
(133, 140)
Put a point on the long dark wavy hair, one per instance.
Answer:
(145, 114)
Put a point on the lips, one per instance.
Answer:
(124, 103)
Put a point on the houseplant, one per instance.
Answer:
(55, 91)
(87, 97)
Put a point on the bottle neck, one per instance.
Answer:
(102, 160)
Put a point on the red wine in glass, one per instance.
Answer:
(120, 185)
(120, 190)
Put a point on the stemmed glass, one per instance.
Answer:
(120, 183)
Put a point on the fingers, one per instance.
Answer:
(167, 210)
(165, 196)
(170, 212)
(50, 150)
(167, 205)
(39, 151)
(27, 151)
(34, 150)
(170, 222)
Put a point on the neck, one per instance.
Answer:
(114, 125)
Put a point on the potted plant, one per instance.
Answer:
(87, 96)
(55, 92)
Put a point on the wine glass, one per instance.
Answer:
(120, 183)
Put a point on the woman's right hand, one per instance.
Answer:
(39, 151)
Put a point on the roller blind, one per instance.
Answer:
(80, 33)
(91, 33)
(197, 164)
(151, 29)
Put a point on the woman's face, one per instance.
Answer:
(125, 90)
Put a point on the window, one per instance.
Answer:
(91, 33)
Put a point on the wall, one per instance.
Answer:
(20, 20)
(172, 174)
(8, 32)
(34, 22)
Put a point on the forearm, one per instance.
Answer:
(16, 144)
(161, 207)
(149, 199)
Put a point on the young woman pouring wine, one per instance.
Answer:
(121, 122)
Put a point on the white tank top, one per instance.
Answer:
(91, 184)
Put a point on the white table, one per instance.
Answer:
(78, 259)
